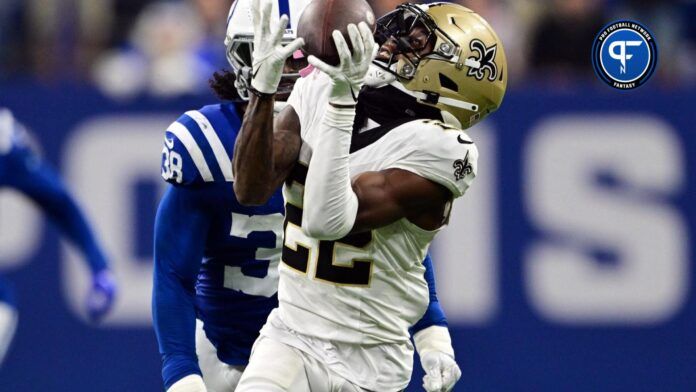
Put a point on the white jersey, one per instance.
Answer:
(366, 289)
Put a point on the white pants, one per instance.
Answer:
(217, 375)
(276, 367)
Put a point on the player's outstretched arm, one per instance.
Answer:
(419, 187)
(332, 205)
(262, 159)
(39, 181)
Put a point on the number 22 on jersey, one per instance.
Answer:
(341, 262)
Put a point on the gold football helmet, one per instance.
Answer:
(463, 71)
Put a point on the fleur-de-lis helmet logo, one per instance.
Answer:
(485, 59)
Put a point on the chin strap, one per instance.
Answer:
(434, 98)
(378, 77)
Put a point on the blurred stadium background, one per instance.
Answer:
(569, 266)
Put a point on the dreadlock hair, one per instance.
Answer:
(222, 84)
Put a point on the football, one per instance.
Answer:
(322, 17)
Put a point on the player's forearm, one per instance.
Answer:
(177, 367)
(177, 264)
(175, 331)
(253, 161)
(74, 225)
(174, 318)
(331, 203)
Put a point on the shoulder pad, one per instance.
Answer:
(443, 154)
(198, 146)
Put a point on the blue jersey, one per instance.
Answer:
(214, 258)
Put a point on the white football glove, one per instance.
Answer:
(269, 53)
(191, 383)
(441, 371)
(434, 346)
(349, 76)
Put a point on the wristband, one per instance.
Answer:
(260, 94)
(435, 338)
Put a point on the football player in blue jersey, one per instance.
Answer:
(22, 169)
(215, 259)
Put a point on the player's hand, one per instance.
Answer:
(101, 296)
(349, 76)
(434, 345)
(269, 53)
(441, 371)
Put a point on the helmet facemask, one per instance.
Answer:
(240, 51)
(411, 30)
(444, 55)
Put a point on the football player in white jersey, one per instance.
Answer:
(367, 185)
(194, 219)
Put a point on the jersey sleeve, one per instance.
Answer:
(442, 154)
(177, 164)
(198, 147)
(180, 230)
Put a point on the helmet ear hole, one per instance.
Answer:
(446, 82)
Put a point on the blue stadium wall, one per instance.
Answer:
(568, 266)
